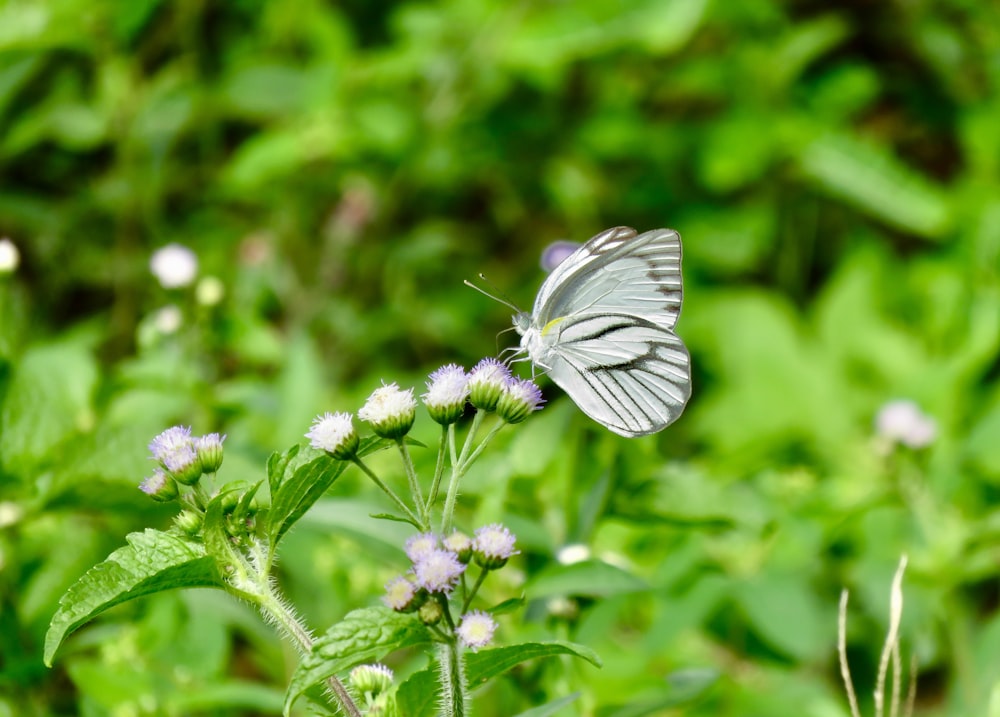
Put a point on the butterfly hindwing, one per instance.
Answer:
(626, 373)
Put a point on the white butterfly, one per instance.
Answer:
(602, 328)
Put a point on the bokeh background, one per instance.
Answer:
(340, 168)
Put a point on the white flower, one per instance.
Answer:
(447, 392)
(476, 630)
(420, 546)
(390, 411)
(573, 553)
(902, 421)
(174, 266)
(438, 571)
(493, 546)
(10, 257)
(399, 593)
(375, 678)
(168, 320)
(486, 382)
(335, 434)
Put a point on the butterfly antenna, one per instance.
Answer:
(497, 295)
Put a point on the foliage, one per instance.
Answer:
(834, 169)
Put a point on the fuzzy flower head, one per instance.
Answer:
(438, 571)
(447, 392)
(335, 434)
(174, 266)
(903, 422)
(486, 382)
(420, 546)
(460, 544)
(518, 399)
(209, 448)
(390, 411)
(476, 630)
(175, 450)
(493, 546)
(400, 594)
(371, 679)
(10, 257)
(159, 486)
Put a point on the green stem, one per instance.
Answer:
(274, 607)
(479, 449)
(391, 493)
(475, 588)
(438, 471)
(452, 681)
(411, 477)
(457, 471)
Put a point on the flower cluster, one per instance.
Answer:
(903, 422)
(438, 565)
(182, 458)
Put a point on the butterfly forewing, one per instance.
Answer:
(617, 272)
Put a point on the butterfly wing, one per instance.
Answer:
(617, 272)
(630, 374)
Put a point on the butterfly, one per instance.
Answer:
(602, 328)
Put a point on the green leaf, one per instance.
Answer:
(590, 577)
(876, 182)
(487, 664)
(551, 708)
(365, 634)
(420, 691)
(278, 467)
(48, 400)
(153, 561)
(297, 494)
(683, 686)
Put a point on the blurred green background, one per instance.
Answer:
(340, 168)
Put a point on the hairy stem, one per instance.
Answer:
(438, 472)
(453, 697)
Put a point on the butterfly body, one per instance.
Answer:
(602, 329)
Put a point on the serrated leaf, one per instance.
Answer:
(363, 635)
(278, 465)
(420, 691)
(298, 493)
(153, 561)
(487, 664)
(590, 577)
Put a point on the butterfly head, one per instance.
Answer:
(522, 321)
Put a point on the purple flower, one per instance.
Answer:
(493, 546)
(486, 382)
(518, 399)
(438, 571)
(476, 630)
(557, 252)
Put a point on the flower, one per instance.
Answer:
(175, 451)
(371, 678)
(476, 630)
(174, 266)
(518, 399)
(486, 382)
(168, 319)
(573, 553)
(10, 257)
(335, 434)
(209, 448)
(399, 594)
(447, 392)
(902, 421)
(160, 486)
(390, 411)
(493, 546)
(209, 290)
(420, 546)
(556, 253)
(189, 521)
(460, 544)
(438, 571)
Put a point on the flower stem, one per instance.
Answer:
(275, 608)
(452, 681)
(438, 471)
(479, 449)
(457, 471)
(411, 476)
(414, 520)
(475, 588)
